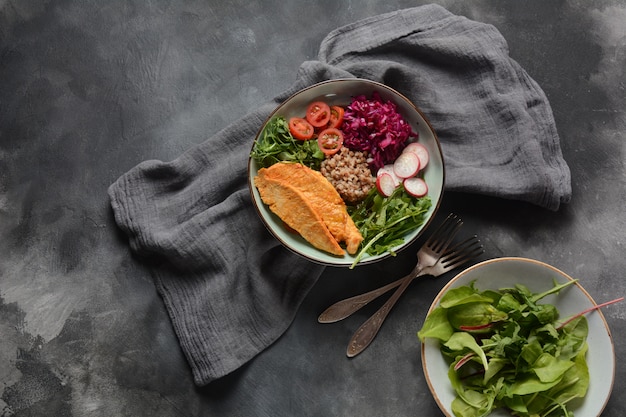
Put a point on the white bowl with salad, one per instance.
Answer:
(517, 334)
(317, 125)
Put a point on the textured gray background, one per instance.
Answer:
(88, 89)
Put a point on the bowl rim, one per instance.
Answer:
(368, 260)
(505, 259)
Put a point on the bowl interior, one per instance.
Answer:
(341, 92)
(538, 277)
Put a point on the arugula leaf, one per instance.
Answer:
(574, 337)
(385, 221)
(460, 341)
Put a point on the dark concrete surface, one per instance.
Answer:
(88, 89)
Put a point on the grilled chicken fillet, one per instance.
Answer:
(293, 189)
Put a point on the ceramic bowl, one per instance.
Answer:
(538, 277)
(341, 92)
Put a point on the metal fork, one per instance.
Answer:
(459, 255)
(427, 255)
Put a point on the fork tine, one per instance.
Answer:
(462, 253)
(446, 231)
(435, 235)
(442, 244)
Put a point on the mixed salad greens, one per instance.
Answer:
(507, 350)
(277, 144)
(383, 220)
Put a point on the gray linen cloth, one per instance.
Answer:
(231, 289)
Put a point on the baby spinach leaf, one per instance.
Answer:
(531, 352)
(469, 402)
(529, 384)
(495, 366)
(436, 326)
(508, 302)
(550, 369)
(474, 314)
(461, 341)
(462, 295)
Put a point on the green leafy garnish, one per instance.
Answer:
(276, 144)
(507, 350)
(385, 221)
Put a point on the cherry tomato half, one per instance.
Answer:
(318, 114)
(336, 116)
(330, 140)
(300, 128)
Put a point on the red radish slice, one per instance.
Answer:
(388, 169)
(421, 152)
(385, 184)
(415, 186)
(406, 165)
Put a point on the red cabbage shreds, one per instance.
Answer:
(375, 126)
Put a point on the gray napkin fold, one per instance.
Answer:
(230, 288)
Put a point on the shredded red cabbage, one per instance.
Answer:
(375, 126)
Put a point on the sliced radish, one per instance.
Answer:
(421, 152)
(415, 186)
(406, 165)
(385, 184)
(388, 169)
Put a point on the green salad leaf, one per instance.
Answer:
(277, 144)
(506, 350)
(385, 221)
